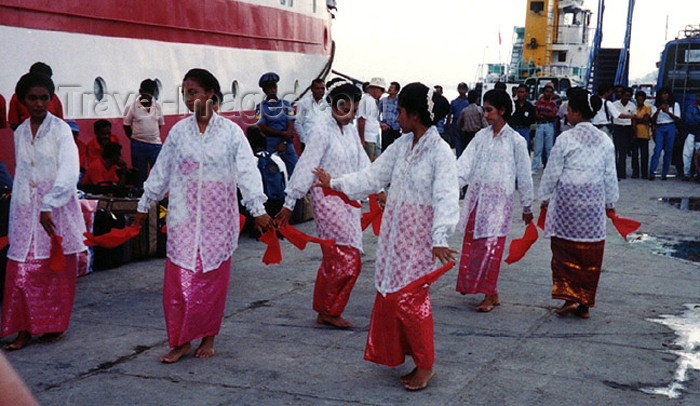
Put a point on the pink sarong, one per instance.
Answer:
(480, 262)
(340, 267)
(194, 302)
(36, 298)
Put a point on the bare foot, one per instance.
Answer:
(336, 321)
(489, 302)
(176, 353)
(23, 339)
(419, 380)
(49, 338)
(568, 307)
(206, 348)
(582, 312)
(406, 378)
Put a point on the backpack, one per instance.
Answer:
(272, 177)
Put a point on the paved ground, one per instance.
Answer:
(270, 350)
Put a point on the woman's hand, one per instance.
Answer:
(610, 212)
(527, 218)
(262, 223)
(283, 217)
(381, 199)
(47, 222)
(444, 254)
(324, 179)
(140, 219)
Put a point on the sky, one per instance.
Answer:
(444, 41)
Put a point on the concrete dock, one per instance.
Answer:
(271, 352)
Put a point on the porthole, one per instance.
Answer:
(234, 89)
(99, 88)
(159, 88)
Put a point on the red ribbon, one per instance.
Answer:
(112, 239)
(57, 260)
(342, 196)
(427, 279)
(3, 242)
(542, 217)
(300, 239)
(519, 246)
(624, 226)
(373, 216)
(273, 253)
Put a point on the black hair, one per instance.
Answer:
(206, 80)
(462, 85)
(111, 149)
(661, 91)
(414, 99)
(41, 67)
(149, 86)
(499, 86)
(317, 80)
(472, 96)
(604, 88)
(255, 138)
(523, 86)
(578, 101)
(365, 85)
(500, 99)
(346, 92)
(397, 86)
(627, 90)
(100, 124)
(30, 80)
(640, 93)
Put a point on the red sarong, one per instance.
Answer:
(576, 269)
(401, 324)
(36, 298)
(194, 302)
(480, 263)
(340, 267)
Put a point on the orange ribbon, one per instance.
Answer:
(520, 246)
(273, 253)
(342, 196)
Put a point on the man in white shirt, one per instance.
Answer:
(602, 119)
(622, 130)
(309, 109)
(368, 117)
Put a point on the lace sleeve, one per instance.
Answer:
(158, 181)
(445, 199)
(64, 186)
(372, 178)
(302, 178)
(249, 178)
(523, 174)
(612, 192)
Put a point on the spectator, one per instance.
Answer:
(142, 123)
(622, 130)
(18, 112)
(274, 116)
(109, 170)
(524, 116)
(389, 113)
(691, 149)
(603, 118)
(442, 129)
(456, 107)
(82, 148)
(665, 117)
(640, 140)
(103, 135)
(470, 121)
(545, 115)
(310, 109)
(368, 117)
(272, 170)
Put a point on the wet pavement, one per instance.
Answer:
(270, 350)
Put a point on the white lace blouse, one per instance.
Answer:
(338, 153)
(491, 166)
(46, 175)
(579, 183)
(201, 172)
(422, 206)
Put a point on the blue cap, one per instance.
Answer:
(73, 126)
(268, 77)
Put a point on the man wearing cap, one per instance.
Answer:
(274, 116)
(368, 117)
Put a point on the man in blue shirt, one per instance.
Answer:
(275, 119)
(389, 113)
(456, 107)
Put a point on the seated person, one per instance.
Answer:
(109, 170)
(103, 135)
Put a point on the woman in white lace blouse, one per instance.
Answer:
(334, 145)
(578, 185)
(44, 203)
(421, 213)
(492, 165)
(203, 160)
